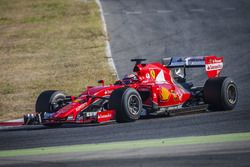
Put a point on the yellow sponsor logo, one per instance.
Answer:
(77, 100)
(152, 72)
(164, 94)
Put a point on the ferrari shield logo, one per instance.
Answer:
(152, 72)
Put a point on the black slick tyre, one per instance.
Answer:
(127, 103)
(49, 101)
(220, 93)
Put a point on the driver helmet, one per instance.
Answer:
(129, 78)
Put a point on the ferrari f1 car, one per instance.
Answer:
(153, 89)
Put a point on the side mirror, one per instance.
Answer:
(101, 82)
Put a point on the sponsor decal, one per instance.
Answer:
(164, 94)
(160, 78)
(90, 114)
(108, 92)
(77, 100)
(215, 66)
(174, 107)
(152, 72)
(80, 107)
(174, 95)
(187, 60)
(102, 116)
(217, 61)
(212, 61)
(143, 89)
(148, 76)
(70, 118)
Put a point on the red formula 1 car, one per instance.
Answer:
(153, 89)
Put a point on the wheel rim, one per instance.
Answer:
(232, 94)
(55, 105)
(134, 104)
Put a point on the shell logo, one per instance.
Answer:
(164, 94)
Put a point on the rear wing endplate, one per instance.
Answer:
(213, 64)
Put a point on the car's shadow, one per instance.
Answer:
(42, 127)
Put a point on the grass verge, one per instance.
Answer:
(126, 145)
(48, 44)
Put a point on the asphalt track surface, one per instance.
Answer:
(220, 154)
(155, 29)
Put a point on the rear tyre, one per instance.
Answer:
(50, 101)
(220, 93)
(127, 103)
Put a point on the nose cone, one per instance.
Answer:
(65, 111)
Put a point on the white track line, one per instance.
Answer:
(106, 14)
(164, 11)
(197, 10)
(108, 49)
(132, 12)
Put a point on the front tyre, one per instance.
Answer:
(50, 101)
(127, 103)
(220, 93)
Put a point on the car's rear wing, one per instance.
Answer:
(213, 65)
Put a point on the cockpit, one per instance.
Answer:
(129, 79)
